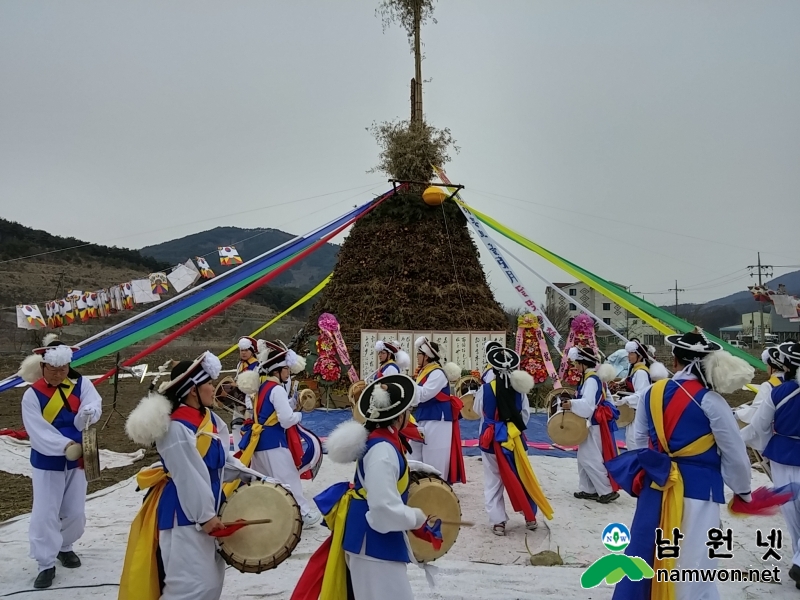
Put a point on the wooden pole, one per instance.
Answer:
(417, 62)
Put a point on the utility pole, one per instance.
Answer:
(676, 289)
(767, 270)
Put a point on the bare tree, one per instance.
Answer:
(560, 318)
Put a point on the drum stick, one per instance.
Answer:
(456, 523)
(251, 522)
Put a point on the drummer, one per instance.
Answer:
(592, 402)
(392, 358)
(372, 553)
(181, 506)
(265, 439)
(637, 381)
(247, 362)
(436, 415)
(56, 409)
(505, 410)
(776, 423)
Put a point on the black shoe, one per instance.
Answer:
(608, 498)
(69, 559)
(585, 496)
(45, 578)
(794, 574)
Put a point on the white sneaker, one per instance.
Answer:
(311, 519)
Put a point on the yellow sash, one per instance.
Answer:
(638, 367)
(427, 370)
(672, 498)
(334, 582)
(139, 579)
(244, 364)
(56, 403)
(775, 381)
(255, 435)
(526, 475)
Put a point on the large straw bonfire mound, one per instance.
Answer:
(396, 272)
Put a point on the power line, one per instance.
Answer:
(767, 271)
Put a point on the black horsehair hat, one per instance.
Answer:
(387, 398)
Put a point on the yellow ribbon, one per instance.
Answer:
(334, 582)
(672, 497)
(139, 579)
(247, 453)
(56, 403)
(526, 475)
(277, 318)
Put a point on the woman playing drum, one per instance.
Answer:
(180, 509)
(593, 403)
(368, 549)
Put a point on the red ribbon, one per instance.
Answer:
(603, 416)
(458, 473)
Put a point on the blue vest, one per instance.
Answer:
(435, 409)
(384, 546)
(272, 436)
(489, 415)
(784, 446)
(386, 366)
(169, 505)
(702, 474)
(65, 423)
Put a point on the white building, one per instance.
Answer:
(609, 311)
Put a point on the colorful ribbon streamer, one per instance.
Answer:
(274, 320)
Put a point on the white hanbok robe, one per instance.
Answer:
(438, 434)
(193, 568)
(373, 578)
(58, 516)
(592, 473)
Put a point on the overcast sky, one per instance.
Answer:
(644, 141)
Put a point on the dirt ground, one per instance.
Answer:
(17, 496)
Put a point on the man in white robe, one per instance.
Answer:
(56, 409)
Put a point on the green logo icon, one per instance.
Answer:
(612, 568)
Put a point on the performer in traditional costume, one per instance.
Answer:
(264, 445)
(437, 413)
(689, 445)
(776, 369)
(56, 409)
(248, 361)
(171, 532)
(392, 358)
(593, 402)
(503, 403)
(367, 553)
(777, 421)
(636, 382)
